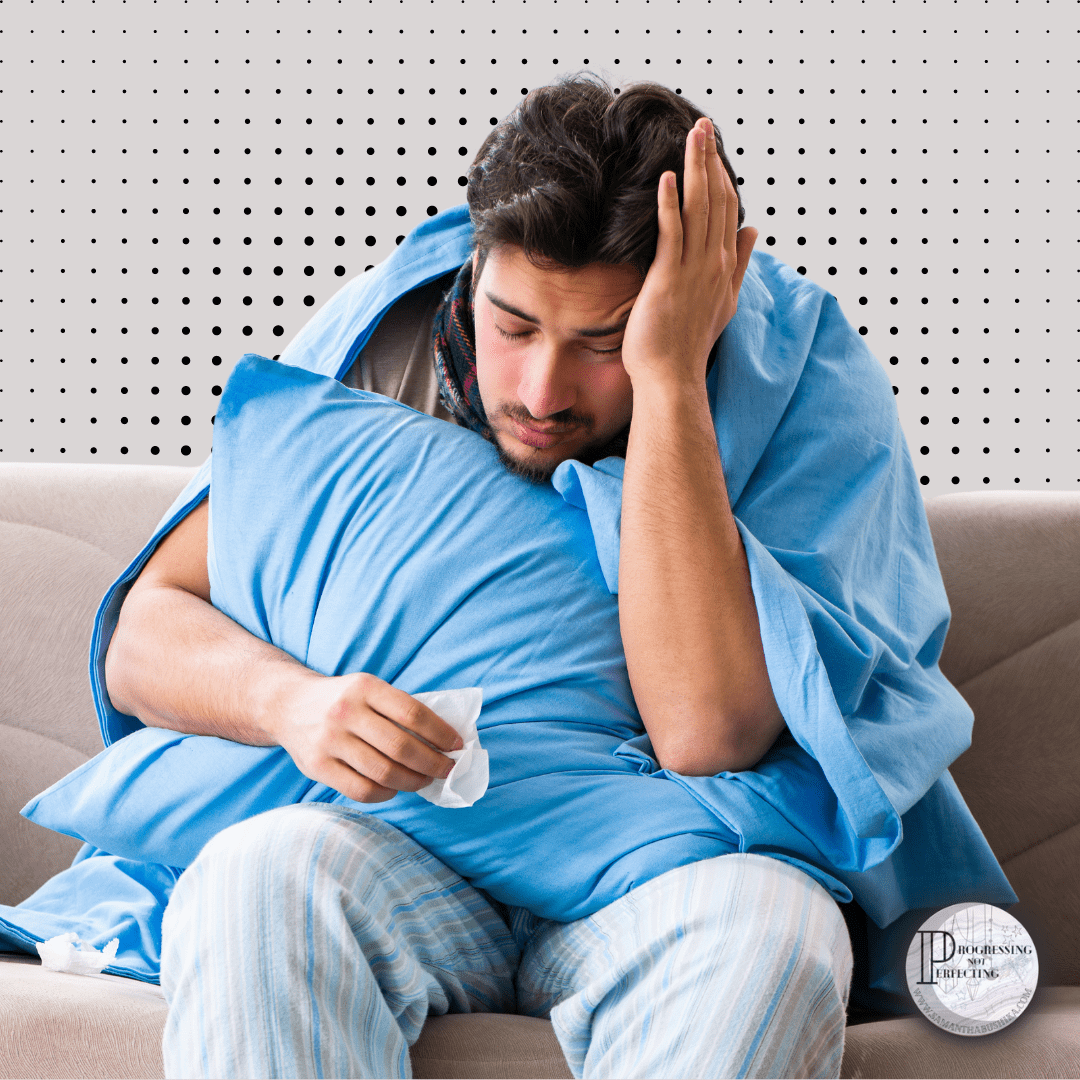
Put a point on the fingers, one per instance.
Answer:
(390, 764)
(375, 757)
(710, 209)
(364, 737)
(352, 785)
(381, 733)
(745, 241)
(723, 204)
(669, 243)
(403, 709)
(696, 194)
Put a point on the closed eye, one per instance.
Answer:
(522, 334)
(526, 333)
(507, 334)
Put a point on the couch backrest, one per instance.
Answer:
(1010, 562)
(66, 533)
(1011, 566)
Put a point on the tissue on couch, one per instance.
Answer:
(60, 954)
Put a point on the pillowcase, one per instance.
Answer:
(358, 534)
(157, 796)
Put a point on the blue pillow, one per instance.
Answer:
(157, 796)
(358, 534)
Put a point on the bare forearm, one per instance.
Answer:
(687, 613)
(177, 662)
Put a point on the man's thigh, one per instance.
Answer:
(315, 941)
(734, 966)
(260, 884)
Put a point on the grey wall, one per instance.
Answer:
(186, 182)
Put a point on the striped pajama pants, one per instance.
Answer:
(313, 941)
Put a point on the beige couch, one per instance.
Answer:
(1011, 564)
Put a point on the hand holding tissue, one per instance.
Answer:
(158, 796)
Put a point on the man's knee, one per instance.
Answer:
(781, 916)
(278, 850)
(273, 835)
(806, 933)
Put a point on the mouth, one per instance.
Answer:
(541, 438)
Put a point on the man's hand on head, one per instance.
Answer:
(692, 289)
(686, 604)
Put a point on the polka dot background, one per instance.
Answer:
(187, 182)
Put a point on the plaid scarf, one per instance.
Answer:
(454, 347)
(453, 342)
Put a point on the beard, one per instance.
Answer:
(538, 470)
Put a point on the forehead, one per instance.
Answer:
(595, 291)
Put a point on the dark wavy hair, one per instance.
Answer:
(571, 175)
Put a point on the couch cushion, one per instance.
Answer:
(487, 1045)
(28, 763)
(82, 501)
(1020, 779)
(50, 587)
(1011, 566)
(58, 1025)
(55, 1024)
(1043, 1041)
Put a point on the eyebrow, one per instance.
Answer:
(602, 331)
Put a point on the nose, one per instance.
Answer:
(546, 386)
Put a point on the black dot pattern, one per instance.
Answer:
(176, 195)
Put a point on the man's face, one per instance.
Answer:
(548, 358)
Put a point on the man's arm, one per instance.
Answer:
(686, 608)
(177, 662)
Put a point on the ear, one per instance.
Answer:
(475, 257)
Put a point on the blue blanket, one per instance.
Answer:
(853, 616)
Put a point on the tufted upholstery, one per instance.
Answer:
(66, 533)
(1011, 566)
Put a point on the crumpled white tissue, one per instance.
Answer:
(60, 954)
(468, 779)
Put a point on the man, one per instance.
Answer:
(563, 358)
(308, 942)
